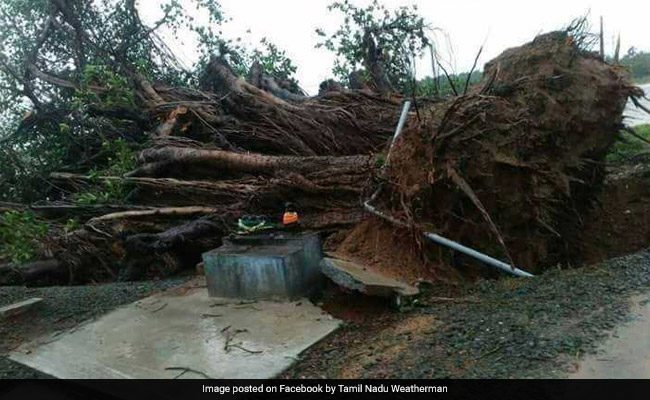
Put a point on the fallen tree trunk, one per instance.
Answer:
(170, 212)
(157, 160)
(234, 193)
(31, 272)
(62, 210)
(165, 253)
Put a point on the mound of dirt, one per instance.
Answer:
(511, 167)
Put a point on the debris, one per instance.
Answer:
(239, 346)
(230, 336)
(211, 315)
(186, 370)
(356, 277)
(159, 308)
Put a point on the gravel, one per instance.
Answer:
(63, 307)
(507, 328)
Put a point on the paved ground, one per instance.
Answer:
(66, 307)
(183, 333)
(627, 353)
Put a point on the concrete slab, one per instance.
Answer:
(183, 333)
(18, 308)
(357, 277)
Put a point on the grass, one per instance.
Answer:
(629, 146)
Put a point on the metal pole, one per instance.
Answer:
(477, 255)
(400, 126)
(450, 243)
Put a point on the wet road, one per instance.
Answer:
(626, 355)
(636, 116)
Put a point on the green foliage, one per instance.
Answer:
(380, 161)
(117, 91)
(638, 63)
(105, 193)
(401, 35)
(274, 62)
(121, 159)
(19, 231)
(72, 225)
(624, 149)
(431, 87)
(211, 43)
(27, 160)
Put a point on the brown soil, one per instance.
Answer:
(616, 223)
(620, 221)
(393, 252)
(511, 169)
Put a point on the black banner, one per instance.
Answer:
(318, 389)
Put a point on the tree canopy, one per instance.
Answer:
(69, 70)
(638, 62)
(67, 65)
(381, 41)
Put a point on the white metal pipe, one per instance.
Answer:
(400, 126)
(477, 255)
(450, 243)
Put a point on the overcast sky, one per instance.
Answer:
(499, 24)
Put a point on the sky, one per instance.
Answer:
(462, 26)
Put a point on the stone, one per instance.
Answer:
(18, 308)
(356, 277)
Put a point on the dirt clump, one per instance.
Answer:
(511, 167)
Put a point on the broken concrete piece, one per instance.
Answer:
(360, 278)
(18, 308)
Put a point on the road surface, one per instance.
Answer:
(636, 116)
(625, 355)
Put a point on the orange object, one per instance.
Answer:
(290, 217)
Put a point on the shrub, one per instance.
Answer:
(19, 233)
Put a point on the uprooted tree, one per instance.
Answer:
(156, 164)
